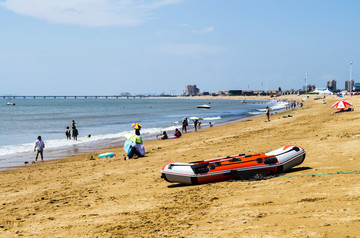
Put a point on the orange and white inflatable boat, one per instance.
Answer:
(231, 167)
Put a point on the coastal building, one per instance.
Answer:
(349, 84)
(235, 92)
(357, 87)
(331, 85)
(191, 90)
(309, 88)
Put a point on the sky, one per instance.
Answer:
(105, 47)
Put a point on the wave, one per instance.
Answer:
(212, 118)
(255, 113)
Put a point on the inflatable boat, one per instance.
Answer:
(233, 167)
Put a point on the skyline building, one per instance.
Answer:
(331, 85)
(349, 84)
(191, 90)
(357, 87)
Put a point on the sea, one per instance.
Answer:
(107, 121)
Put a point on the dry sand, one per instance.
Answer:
(79, 197)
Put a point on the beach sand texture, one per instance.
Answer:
(110, 197)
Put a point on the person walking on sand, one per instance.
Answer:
(268, 113)
(39, 148)
(68, 133)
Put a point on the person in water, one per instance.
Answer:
(163, 135)
(39, 148)
(75, 133)
(177, 133)
(68, 133)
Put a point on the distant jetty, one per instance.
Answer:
(70, 97)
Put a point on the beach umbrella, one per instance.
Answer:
(135, 138)
(342, 104)
(131, 142)
(136, 126)
(127, 145)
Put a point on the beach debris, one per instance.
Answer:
(109, 154)
(26, 162)
(33, 162)
(92, 158)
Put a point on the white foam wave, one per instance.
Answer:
(212, 118)
(255, 113)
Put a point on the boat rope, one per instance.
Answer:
(339, 172)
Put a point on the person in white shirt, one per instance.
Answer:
(39, 148)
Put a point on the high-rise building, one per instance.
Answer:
(191, 90)
(357, 87)
(349, 84)
(331, 85)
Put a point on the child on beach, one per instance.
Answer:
(68, 133)
(39, 147)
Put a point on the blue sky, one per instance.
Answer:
(104, 47)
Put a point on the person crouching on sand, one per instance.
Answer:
(39, 147)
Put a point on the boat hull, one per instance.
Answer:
(233, 167)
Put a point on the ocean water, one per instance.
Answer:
(108, 121)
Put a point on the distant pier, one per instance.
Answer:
(70, 97)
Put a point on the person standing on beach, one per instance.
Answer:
(39, 148)
(268, 113)
(184, 123)
(196, 124)
(68, 133)
(73, 124)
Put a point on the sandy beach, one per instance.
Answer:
(110, 197)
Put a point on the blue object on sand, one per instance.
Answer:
(110, 154)
(127, 146)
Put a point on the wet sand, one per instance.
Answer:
(80, 197)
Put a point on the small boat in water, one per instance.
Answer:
(233, 167)
(10, 103)
(204, 106)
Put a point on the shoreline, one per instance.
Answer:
(111, 197)
(89, 147)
